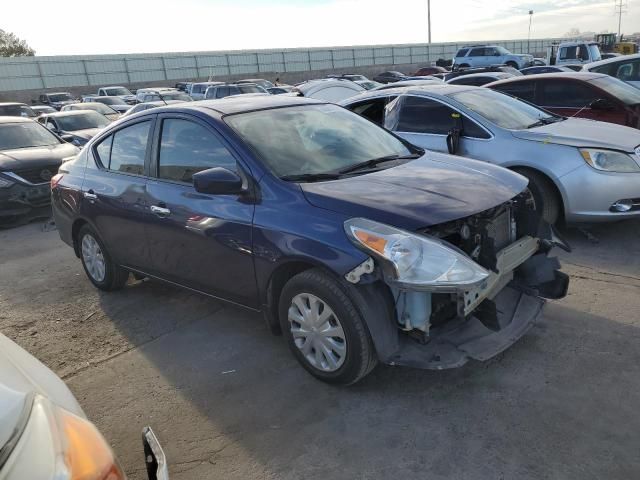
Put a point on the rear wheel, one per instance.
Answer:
(324, 330)
(97, 263)
(463, 65)
(546, 200)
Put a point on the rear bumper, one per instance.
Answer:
(456, 343)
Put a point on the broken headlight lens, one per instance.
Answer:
(416, 261)
(609, 160)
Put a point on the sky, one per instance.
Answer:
(77, 27)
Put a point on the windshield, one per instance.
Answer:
(594, 50)
(16, 111)
(501, 109)
(60, 97)
(313, 139)
(619, 89)
(97, 107)
(25, 135)
(117, 91)
(111, 101)
(251, 89)
(82, 121)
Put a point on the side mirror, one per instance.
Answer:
(601, 104)
(453, 141)
(217, 181)
(67, 138)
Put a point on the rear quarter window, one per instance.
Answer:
(462, 52)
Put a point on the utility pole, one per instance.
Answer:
(429, 19)
(620, 9)
(529, 36)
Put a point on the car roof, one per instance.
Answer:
(483, 74)
(7, 104)
(56, 93)
(437, 89)
(622, 58)
(584, 76)
(8, 119)
(249, 103)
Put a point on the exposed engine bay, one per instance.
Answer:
(511, 242)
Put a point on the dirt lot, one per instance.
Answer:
(228, 400)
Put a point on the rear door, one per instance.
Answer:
(113, 191)
(199, 240)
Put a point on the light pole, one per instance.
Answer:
(529, 36)
(429, 19)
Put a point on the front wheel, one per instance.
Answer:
(512, 64)
(98, 265)
(324, 330)
(545, 198)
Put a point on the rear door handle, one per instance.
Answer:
(160, 211)
(90, 196)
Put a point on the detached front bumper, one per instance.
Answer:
(456, 343)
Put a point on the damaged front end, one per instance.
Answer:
(466, 289)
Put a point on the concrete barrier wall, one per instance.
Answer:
(27, 76)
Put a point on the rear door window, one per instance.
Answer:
(125, 150)
(562, 93)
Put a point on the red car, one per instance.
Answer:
(424, 71)
(580, 94)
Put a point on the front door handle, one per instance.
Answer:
(92, 197)
(160, 211)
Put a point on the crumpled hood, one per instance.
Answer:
(21, 375)
(581, 132)
(434, 189)
(34, 157)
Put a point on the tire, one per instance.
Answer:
(512, 64)
(108, 278)
(464, 65)
(547, 202)
(351, 348)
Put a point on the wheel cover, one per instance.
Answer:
(93, 258)
(317, 332)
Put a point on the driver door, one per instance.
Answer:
(200, 241)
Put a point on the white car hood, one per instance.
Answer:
(21, 375)
(580, 132)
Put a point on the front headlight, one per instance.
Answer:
(609, 160)
(5, 182)
(415, 261)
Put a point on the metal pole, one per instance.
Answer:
(429, 19)
(619, 19)
(529, 36)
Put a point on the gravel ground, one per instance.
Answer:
(227, 400)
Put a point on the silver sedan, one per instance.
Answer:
(582, 170)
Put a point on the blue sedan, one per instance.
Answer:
(357, 246)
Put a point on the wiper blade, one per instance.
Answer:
(540, 123)
(376, 161)
(311, 177)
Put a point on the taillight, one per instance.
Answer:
(56, 179)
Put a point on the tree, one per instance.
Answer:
(12, 46)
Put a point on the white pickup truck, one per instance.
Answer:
(123, 92)
(572, 53)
